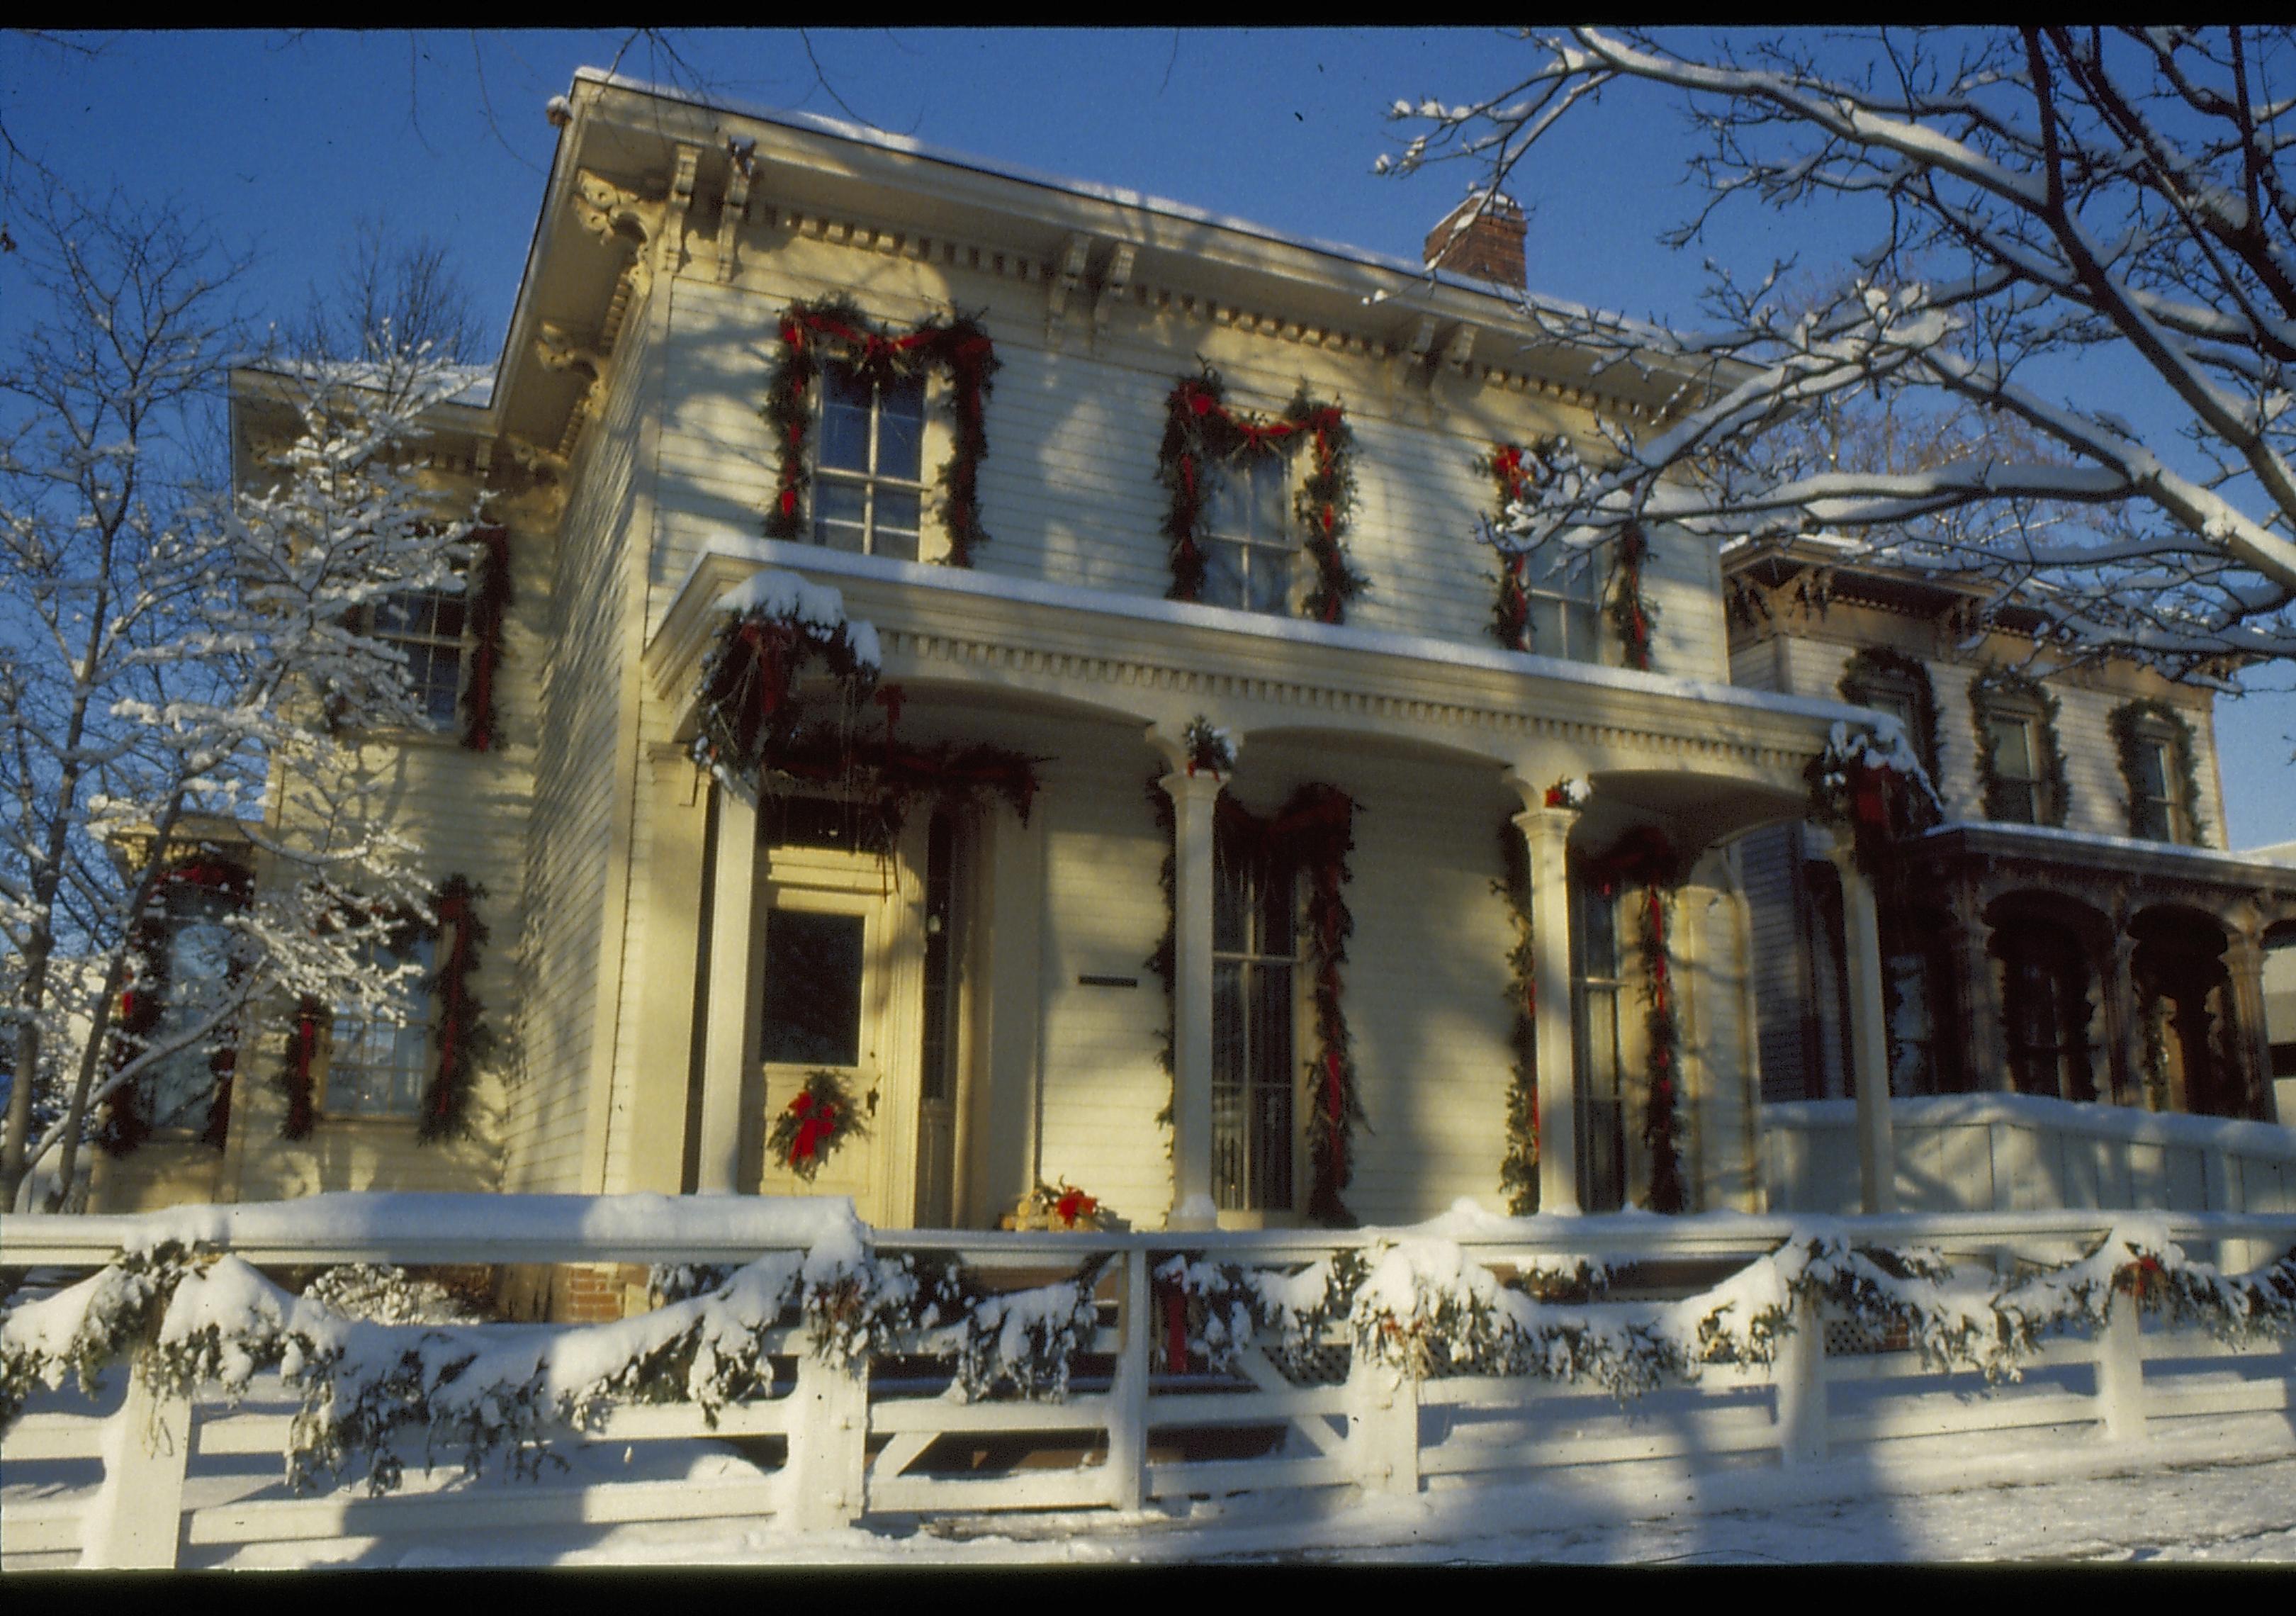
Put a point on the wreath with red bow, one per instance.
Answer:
(1202, 435)
(816, 1121)
(835, 330)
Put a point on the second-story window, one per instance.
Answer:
(2156, 765)
(869, 487)
(427, 626)
(1248, 538)
(1564, 584)
(2017, 783)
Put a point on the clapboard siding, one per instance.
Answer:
(567, 852)
(1070, 489)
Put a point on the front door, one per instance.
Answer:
(842, 977)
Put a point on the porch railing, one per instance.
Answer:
(158, 1480)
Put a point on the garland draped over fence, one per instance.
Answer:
(835, 329)
(1313, 832)
(753, 726)
(1644, 858)
(126, 1119)
(1417, 1305)
(1202, 437)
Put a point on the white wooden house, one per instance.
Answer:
(1171, 404)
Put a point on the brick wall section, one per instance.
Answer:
(1491, 248)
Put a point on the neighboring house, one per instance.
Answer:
(1067, 589)
(2280, 995)
(2073, 929)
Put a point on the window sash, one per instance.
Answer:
(180, 1088)
(428, 627)
(377, 1067)
(1255, 1016)
(1566, 602)
(869, 494)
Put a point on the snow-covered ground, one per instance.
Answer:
(2223, 1494)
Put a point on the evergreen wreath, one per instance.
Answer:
(812, 1126)
(1882, 793)
(1314, 831)
(2128, 721)
(488, 588)
(833, 330)
(1202, 437)
(1986, 693)
(1644, 858)
(1874, 665)
(1519, 1172)
(127, 1122)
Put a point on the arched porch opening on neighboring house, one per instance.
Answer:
(2046, 948)
(2278, 993)
(2189, 1030)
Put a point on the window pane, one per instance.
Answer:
(896, 534)
(901, 431)
(1270, 482)
(1222, 574)
(840, 513)
(812, 989)
(1229, 513)
(2153, 770)
(844, 420)
(2013, 748)
(377, 1066)
(1268, 581)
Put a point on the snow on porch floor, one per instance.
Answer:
(2224, 1493)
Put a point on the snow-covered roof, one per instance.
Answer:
(1120, 195)
(474, 384)
(2229, 863)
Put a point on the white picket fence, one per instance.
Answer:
(155, 1482)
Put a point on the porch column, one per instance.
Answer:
(727, 1049)
(1192, 796)
(2252, 1040)
(1869, 1035)
(2124, 1019)
(1546, 832)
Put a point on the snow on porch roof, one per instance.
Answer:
(1119, 196)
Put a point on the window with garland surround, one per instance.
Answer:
(2021, 792)
(869, 470)
(1255, 1017)
(378, 1066)
(1248, 538)
(2156, 766)
(1894, 690)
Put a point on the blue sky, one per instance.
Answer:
(284, 142)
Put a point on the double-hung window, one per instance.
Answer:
(869, 480)
(1598, 991)
(378, 1064)
(1247, 541)
(426, 626)
(2020, 787)
(1564, 584)
(1255, 957)
(2157, 807)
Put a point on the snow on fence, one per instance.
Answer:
(841, 1376)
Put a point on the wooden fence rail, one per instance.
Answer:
(830, 1446)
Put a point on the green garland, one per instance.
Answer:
(489, 597)
(1985, 693)
(1519, 1172)
(1644, 858)
(2128, 722)
(1201, 436)
(1875, 663)
(1632, 612)
(1313, 832)
(125, 1125)
(835, 328)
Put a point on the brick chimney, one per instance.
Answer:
(1489, 248)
